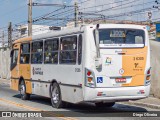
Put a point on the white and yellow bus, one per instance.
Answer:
(102, 63)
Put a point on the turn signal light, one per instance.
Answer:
(89, 79)
(148, 78)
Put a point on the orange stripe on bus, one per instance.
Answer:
(134, 63)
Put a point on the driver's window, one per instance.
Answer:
(14, 57)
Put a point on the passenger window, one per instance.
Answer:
(51, 51)
(25, 53)
(37, 52)
(68, 50)
(80, 49)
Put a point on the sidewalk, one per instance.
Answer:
(4, 81)
(150, 102)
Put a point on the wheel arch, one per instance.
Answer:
(20, 80)
(60, 102)
(51, 84)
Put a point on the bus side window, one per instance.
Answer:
(25, 53)
(80, 49)
(14, 58)
(51, 51)
(68, 51)
(37, 52)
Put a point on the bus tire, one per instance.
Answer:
(102, 104)
(56, 98)
(22, 89)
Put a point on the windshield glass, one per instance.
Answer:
(122, 37)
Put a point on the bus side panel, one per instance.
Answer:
(41, 88)
(15, 71)
(37, 75)
(68, 78)
(29, 87)
(14, 84)
(25, 72)
(71, 94)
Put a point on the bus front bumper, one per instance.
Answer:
(116, 94)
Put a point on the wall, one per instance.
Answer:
(5, 63)
(155, 64)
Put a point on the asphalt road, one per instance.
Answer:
(10, 101)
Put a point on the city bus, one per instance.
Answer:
(102, 64)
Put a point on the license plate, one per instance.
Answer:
(120, 80)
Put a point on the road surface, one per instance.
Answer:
(10, 101)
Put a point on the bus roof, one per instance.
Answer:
(50, 34)
(59, 33)
(133, 26)
(77, 30)
(23, 39)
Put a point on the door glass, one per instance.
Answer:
(14, 57)
(25, 53)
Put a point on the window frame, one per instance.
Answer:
(25, 53)
(13, 65)
(60, 51)
(79, 63)
(37, 52)
(55, 51)
(119, 46)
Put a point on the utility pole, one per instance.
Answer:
(150, 18)
(76, 14)
(10, 35)
(30, 18)
(2, 38)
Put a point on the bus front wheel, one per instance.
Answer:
(102, 104)
(22, 89)
(56, 98)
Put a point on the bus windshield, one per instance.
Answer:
(121, 37)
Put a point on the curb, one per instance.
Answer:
(6, 82)
(153, 106)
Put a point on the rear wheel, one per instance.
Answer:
(22, 89)
(102, 104)
(56, 98)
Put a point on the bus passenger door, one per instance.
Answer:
(25, 66)
(14, 68)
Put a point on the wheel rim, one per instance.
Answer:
(55, 95)
(22, 89)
